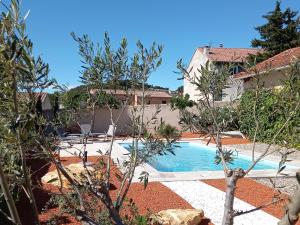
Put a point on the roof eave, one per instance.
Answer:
(263, 72)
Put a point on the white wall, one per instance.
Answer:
(197, 60)
(46, 104)
(234, 90)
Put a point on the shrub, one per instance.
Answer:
(226, 116)
(181, 102)
(167, 131)
(74, 98)
(272, 110)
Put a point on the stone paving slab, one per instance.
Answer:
(211, 201)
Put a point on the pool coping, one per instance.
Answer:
(121, 154)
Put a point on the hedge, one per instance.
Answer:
(272, 110)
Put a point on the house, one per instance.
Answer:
(43, 97)
(271, 72)
(152, 97)
(219, 56)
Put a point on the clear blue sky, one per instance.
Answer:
(181, 26)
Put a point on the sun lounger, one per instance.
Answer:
(234, 133)
(85, 129)
(86, 132)
(62, 136)
(110, 132)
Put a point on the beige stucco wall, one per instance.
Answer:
(233, 91)
(270, 80)
(46, 104)
(102, 118)
(197, 60)
(154, 100)
(135, 100)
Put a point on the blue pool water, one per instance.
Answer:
(191, 156)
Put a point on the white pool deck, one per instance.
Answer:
(211, 201)
(120, 154)
(188, 185)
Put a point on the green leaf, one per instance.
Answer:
(53, 180)
(281, 169)
(27, 14)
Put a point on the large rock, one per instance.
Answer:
(179, 217)
(76, 171)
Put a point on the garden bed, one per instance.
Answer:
(155, 198)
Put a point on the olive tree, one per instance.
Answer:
(210, 80)
(292, 211)
(23, 77)
(23, 127)
(110, 67)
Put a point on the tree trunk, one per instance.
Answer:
(229, 200)
(8, 198)
(93, 118)
(115, 215)
(231, 181)
(27, 181)
(293, 208)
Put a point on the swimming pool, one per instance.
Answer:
(191, 156)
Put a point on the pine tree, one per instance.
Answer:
(281, 32)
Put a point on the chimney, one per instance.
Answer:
(206, 50)
(221, 45)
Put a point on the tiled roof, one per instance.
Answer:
(155, 94)
(37, 95)
(280, 60)
(229, 54)
(149, 93)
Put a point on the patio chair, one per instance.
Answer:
(85, 129)
(110, 132)
(62, 136)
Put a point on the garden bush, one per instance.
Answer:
(272, 110)
(168, 131)
(181, 102)
(227, 118)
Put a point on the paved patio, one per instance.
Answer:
(188, 185)
(211, 201)
(119, 154)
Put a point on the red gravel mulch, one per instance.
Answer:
(224, 140)
(233, 141)
(191, 135)
(253, 193)
(155, 198)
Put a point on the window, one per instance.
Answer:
(235, 70)
(163, 102)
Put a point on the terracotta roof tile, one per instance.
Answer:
(280, 60)
(229, 54)
(37, 95)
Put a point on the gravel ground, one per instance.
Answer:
(211, 200)
(284, 184)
